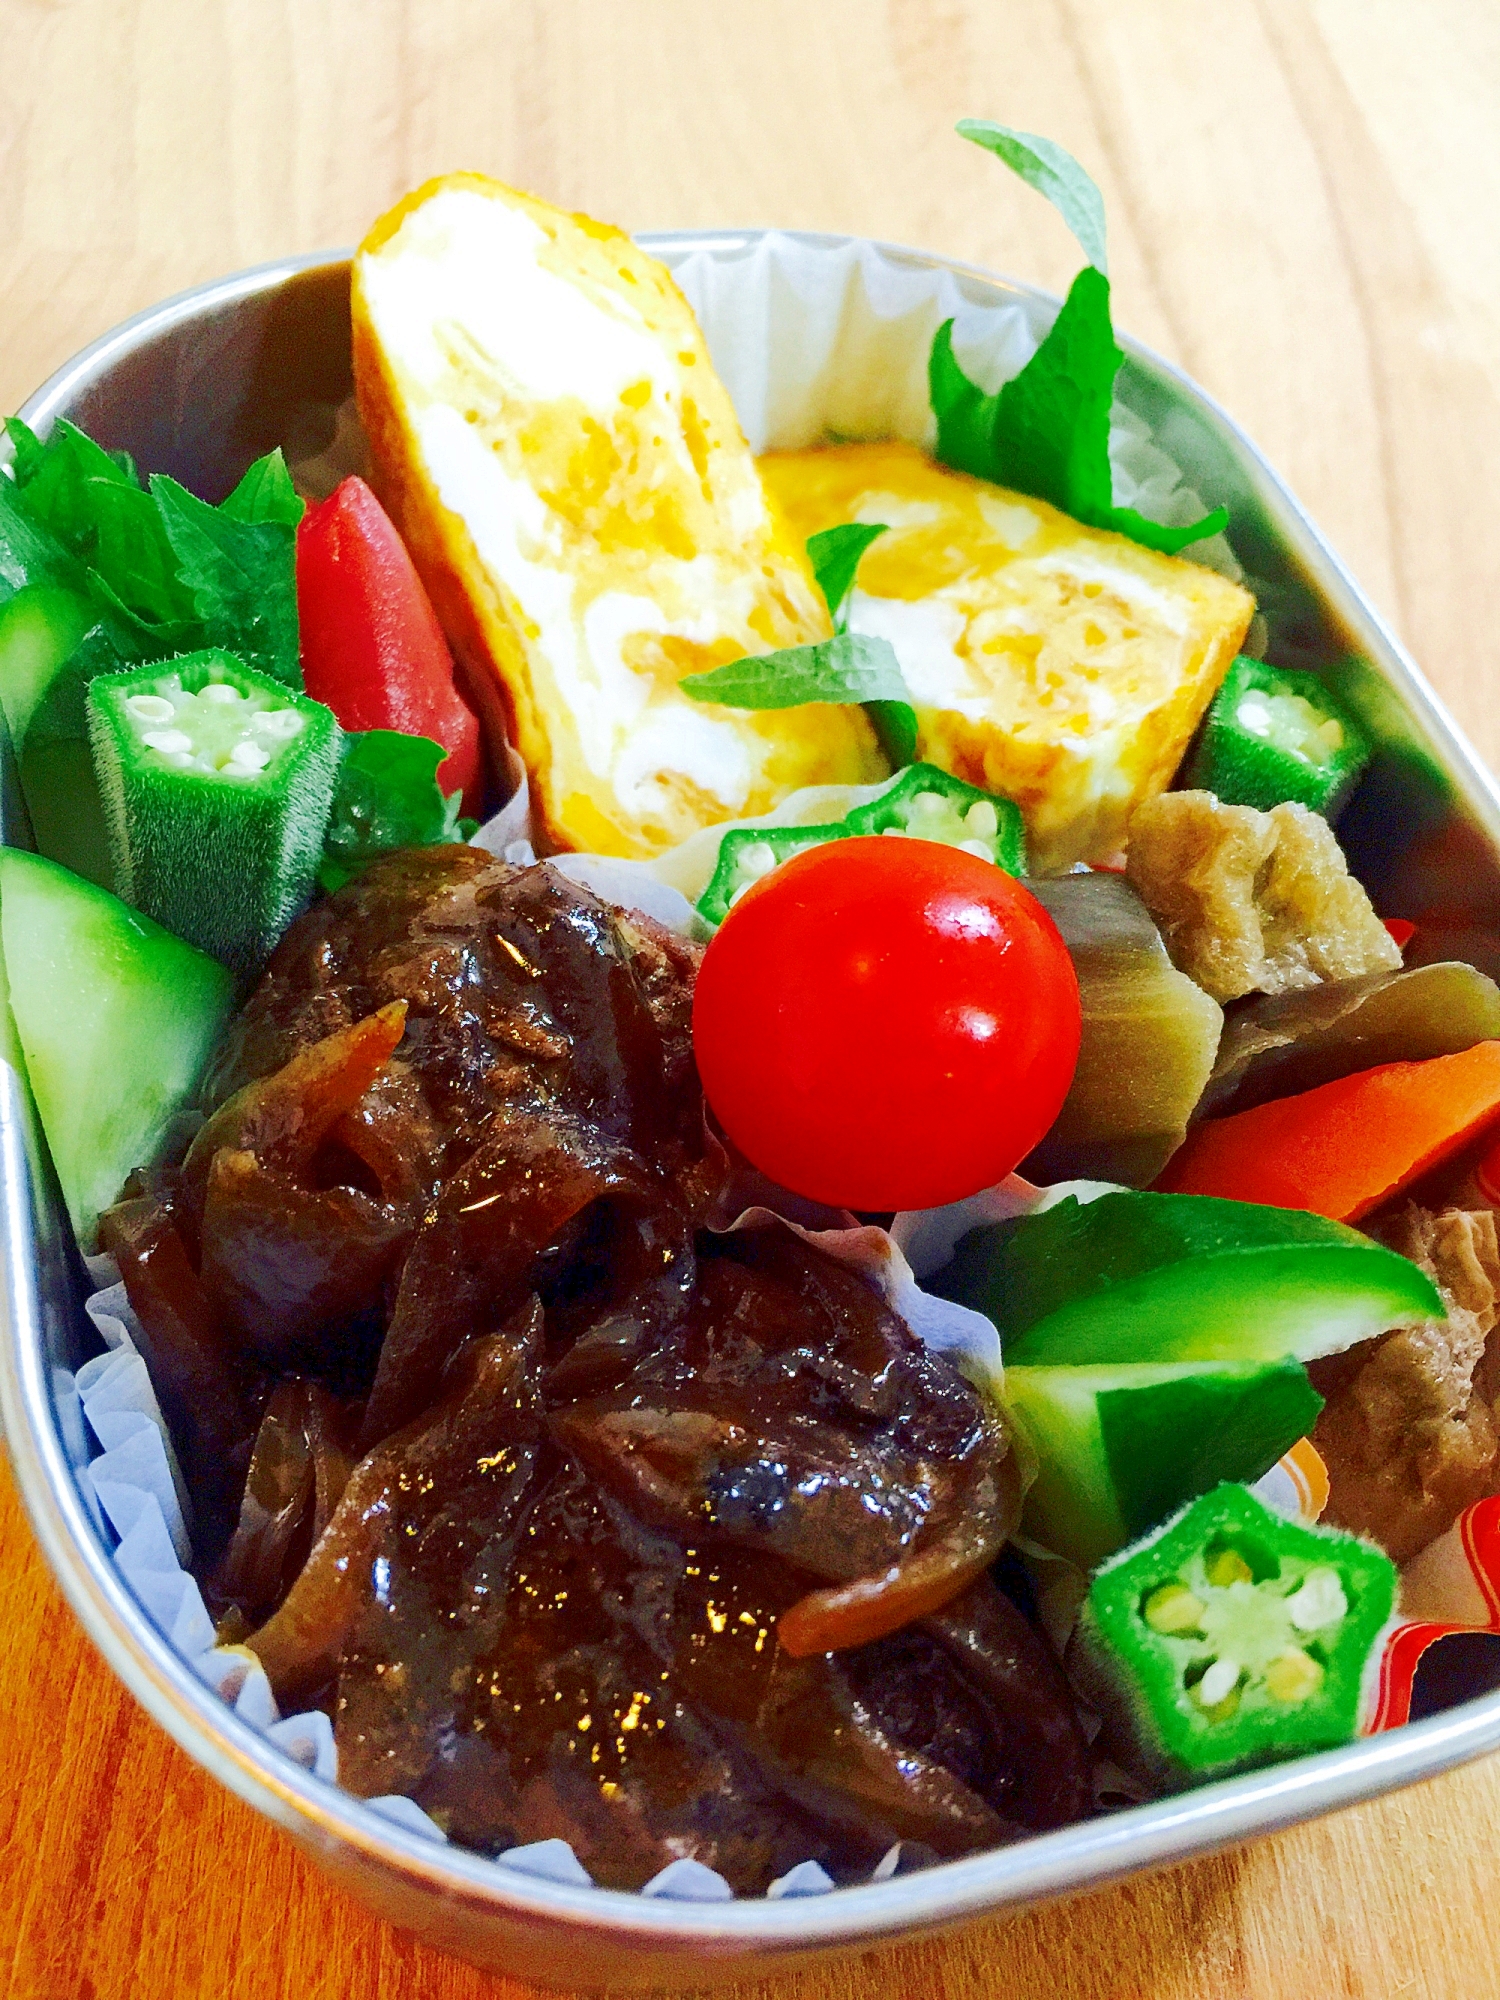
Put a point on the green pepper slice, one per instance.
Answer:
(1231, 1638)
(1179, 1277)
(1273, 736)
(216, 783)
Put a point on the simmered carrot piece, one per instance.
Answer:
(852, 1614)
(1344, 1148)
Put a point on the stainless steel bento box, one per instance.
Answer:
(199, 386)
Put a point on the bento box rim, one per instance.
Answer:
(327, 1820)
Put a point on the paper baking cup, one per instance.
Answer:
(812, 339)
(131, 1474)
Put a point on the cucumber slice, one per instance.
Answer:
(115, 1019)
(1176, 1277)
(40, 628)
(52, 756)
(1119, 1449)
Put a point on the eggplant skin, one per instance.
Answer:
(548, 432)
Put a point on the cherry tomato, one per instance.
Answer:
(886, 1023)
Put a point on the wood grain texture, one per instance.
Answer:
(1304, 201)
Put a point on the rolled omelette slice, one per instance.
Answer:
(547, 427)
(1058, 664)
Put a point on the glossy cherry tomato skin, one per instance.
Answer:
(886, 1024)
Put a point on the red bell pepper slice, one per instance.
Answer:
(372, 648)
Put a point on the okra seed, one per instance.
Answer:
(168, 741)
(1293, 1676)
(898, 831)
(1319, 1600)
(982, 819)
(757, 858)
(276, 722)
(219, 692)
(149, 708)
(1227, 1566)
(1294, 724)
(928, 805)
(984, 851)
(247, 756)
(1221, 1680)
(1173, 1608)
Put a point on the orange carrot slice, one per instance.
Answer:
(1346, 1147)
(852, 1614)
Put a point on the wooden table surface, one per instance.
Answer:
(1303, 200)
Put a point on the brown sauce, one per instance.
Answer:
(502, 1457)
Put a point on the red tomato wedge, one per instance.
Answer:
(886, 1023)
(372, 648)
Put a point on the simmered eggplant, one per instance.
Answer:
(1149, 1037)
(1282, 1043)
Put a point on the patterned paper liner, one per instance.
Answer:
(1454, 1586)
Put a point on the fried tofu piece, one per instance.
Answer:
(1408, 1431)
(1253, 902)
(1060, 665)
(549, 432)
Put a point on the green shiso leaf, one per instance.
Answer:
(1052, 171)
(80, 499)
(170, 573)
(896, 726)
(28, 449)
(1046, 432)
(242, 575)
(266, 493)
(849, 667)
(133, 565)
(835, 556)
(386, 797)
(30, 553)
(60, 478)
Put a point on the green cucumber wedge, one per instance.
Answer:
(1178, 1277)
(40, 628)
(1119, 1449)
(115, 1019)
(42, 676)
